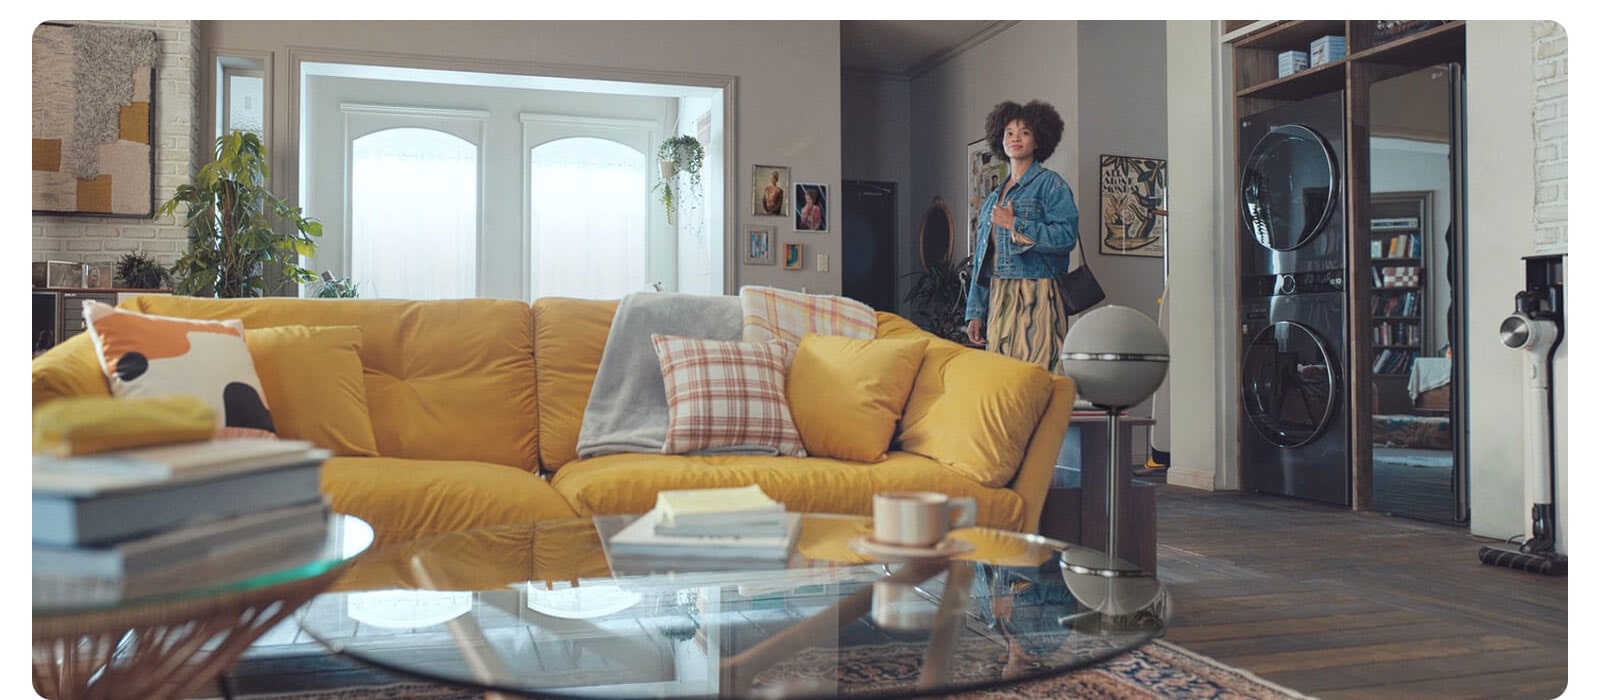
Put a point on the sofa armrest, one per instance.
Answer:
(69, 369)
(1032, 481)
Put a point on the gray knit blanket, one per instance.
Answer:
(627, 410)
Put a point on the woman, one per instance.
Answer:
(811, 214)
(1026, 230)
(772, 197)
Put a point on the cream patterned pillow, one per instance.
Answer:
(155, 356)
(726, 397)
(779, 314)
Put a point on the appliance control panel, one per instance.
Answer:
(1294, 283)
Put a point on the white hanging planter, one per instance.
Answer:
(669, 169)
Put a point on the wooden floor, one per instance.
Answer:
(1344, 605)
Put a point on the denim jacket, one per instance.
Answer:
(1046, 216)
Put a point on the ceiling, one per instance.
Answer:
(906, 48)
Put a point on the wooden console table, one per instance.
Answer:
(1075, 508)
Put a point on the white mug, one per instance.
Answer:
(919, 518)
(898, 606)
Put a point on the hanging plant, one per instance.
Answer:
(679, 154)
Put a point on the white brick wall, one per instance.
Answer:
(1550, 136)
(178, 153)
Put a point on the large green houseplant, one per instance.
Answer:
(238, 229)
(939, 295)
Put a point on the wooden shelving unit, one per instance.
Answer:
(1255, 45)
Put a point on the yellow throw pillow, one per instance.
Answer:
(974, 411)
(150, 356)
(847, 394)
(313, 380)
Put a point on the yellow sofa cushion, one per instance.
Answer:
(974, 411)
(313, 381)
(69, 369)
(569, 336)
(628, 483)
(847, 394)
(447, 379)
(406, 498)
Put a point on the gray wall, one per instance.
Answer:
(874, 125)
(787, 74)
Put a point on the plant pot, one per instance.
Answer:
(669, 169)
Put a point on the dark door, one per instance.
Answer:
(868, 245)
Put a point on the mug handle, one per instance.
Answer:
(963, 512)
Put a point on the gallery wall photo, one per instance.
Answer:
(93, 120)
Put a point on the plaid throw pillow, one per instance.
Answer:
(771, 313)
(726, 397)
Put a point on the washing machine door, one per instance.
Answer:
(1289, 188)
(1290, 384)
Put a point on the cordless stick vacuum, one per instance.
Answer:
(1536, 329)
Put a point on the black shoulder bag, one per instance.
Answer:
(1077, 286)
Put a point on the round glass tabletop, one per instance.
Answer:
(548, 609)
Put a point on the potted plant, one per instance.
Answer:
(237, 228)
(679, 154)
(940, 295)
(139, 271)
(330, 287)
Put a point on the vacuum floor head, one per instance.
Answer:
(1547, 563)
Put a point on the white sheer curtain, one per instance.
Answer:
(588, 219)
(414, 215)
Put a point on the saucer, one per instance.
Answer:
(946, 548)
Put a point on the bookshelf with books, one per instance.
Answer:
(1398, 274)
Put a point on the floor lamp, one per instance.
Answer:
(1116, 357)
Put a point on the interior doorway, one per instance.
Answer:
(867, 248)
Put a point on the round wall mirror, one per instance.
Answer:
(937, 235)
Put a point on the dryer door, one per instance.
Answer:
(1290, 384)
(1289, 188)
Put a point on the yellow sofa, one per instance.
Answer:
(475, 407)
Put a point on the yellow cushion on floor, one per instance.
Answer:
(628, 483)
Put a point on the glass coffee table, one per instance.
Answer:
(544, 610)
(171, 634)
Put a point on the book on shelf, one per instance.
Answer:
(639, 538)
(718, 508)
(85, 507)
(236, 539)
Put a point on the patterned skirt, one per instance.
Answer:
(1027, 320)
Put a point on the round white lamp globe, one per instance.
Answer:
(1115, 356)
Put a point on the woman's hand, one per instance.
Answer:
(1003, 216)
(975, 331)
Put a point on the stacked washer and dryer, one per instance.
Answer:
(1294, 440)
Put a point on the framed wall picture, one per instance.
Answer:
(769, 190)
(793, 256)
(94, 120)
(1133, 206)
(758, 244)
(811, 207)
(985, 172)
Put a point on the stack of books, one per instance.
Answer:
(153, 519)
(733, 525)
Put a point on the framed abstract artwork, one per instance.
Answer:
(793, 257)
(985, 172)
(758, 244)
(1133, 206)
(93, 120)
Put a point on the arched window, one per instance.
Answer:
(414, 214)
(588, 218)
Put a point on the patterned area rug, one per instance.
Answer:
(1156, 671)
